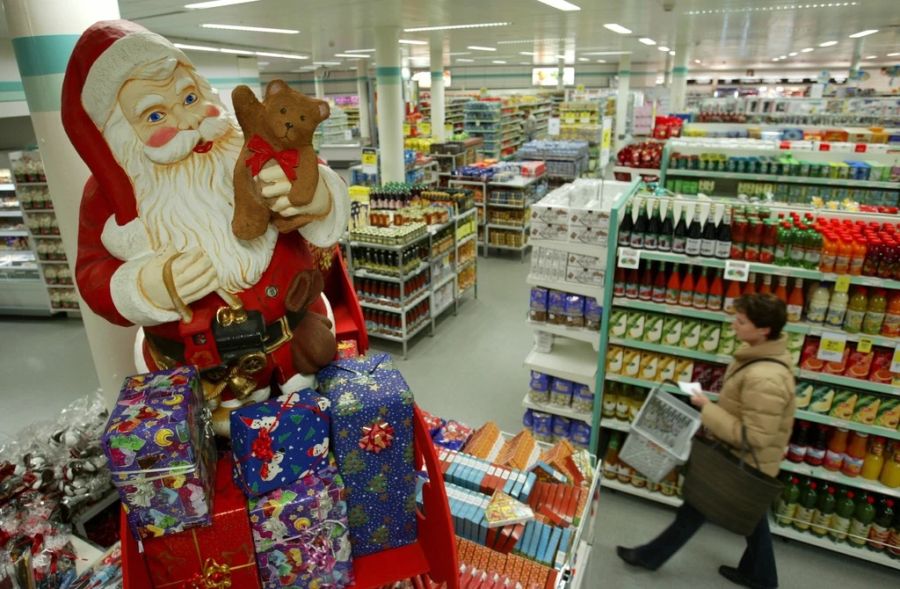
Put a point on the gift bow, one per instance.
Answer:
(377, 437)
(214, 576)
(263, 152)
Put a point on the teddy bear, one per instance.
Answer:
(277, 132)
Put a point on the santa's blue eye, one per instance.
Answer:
(190, 98)
(156, 116)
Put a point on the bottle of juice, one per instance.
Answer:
(875, 312)
(824, 512)
(837, 308)
(888, 259)
(798, 247)
(858, 257)
(673, 287)
(873, 257)
(799, 443)
(862, 521)
(645, 287)
(768, 242)
(619, 282)
(845, 252)
(701, 291)
(658, 294)
(666, 230)
(766, 286)
(786, 507)
(733, 292)
(890, 472)
(739, 236)
(679, 235)
(837, 446)
(855, 454)
(750, 287)
(815, 453)
(686, 296)
(716, 293)
(843, 514)
(610, 398)
(632, 284)
(753, 240)
(807, 507)
(813, 255)
(856, 310)
(723, 236)
(829, 253)
(818, 304)
(781, 291)
(795, 302)
(874, 461)
(893, 543)
(891, 325)
(611, 460)
(880, 532)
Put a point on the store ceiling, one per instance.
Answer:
(717, 33)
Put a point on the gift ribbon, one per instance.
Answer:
(212, 574)
(377, 437)
(321, 552)
(263, 152)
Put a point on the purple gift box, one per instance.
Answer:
(279, 441)
(162, 453)
(301, 533)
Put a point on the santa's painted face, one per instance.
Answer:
(172, 117)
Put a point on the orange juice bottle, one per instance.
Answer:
(858, 256)
(845, 252)
(874, 461)
(829, 252)
(890, 473)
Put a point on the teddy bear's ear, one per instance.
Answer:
(276, 87)
(324, 110)
(245, 104)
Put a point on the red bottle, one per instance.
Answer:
(716, 293)
(738, 237)
(673, 287)
(750, 287)
(619, 283)
(686, 297)
(701, 291)
(659, 284)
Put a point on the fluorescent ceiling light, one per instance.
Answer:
(871, 56)
(459, 53)
(647, 41)
(411, 42)
(282, 55)
(697, 61)
(601, 61)
(663, 48)
(617, 28)
(498, 61)
(560, 57)
(530, 41)
(216, 3)
(807, 50)
(236, 51)
(464, 60)
(483, 25)
(671, 53)
(526, 52)
(793, 54)
(782, 57)
(262, 63)
(326, 63)
(353, 55)
(480, 48)
(196, 47)
(250, 29)
(561, 5)
(359, 51)
(583, 59)
(609, 53)
(893, 54)
(828, 44)
(776, 59)
(865, 33)
(524, 63)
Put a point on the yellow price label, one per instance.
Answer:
(579, 88)
(425, 128)
(831, 347)
(448, 128)
(864, 346)
(842, 284)
(895, 362)
(370, 159)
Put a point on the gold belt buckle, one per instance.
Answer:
(284, 338)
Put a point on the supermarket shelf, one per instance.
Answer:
(35, 211)
(576, 333)
(14, 233)
(792, 533)
(6, 187)
(65, 310)
(13, 213)
(640, 492)
(874, 430)
(587, 290)
(46, 236)
(671, 309)
(519, 228)
(616, 424)
(53, 261)
(640, 171)
(494, 205)
(361, 273)
(426, 321)
(584, 249)
(466, 264)
(853, 383)
(818, 330)
(569, 359)
(567, 412)
(466, 239)
(406, 307)
(518, 182)
(672, 350)
(440, 311)
(441, 282)
(460, 293)
(788, 271)
(12, 187)
(782, 179)
(512, 248)
(836, 477)
(392, 248)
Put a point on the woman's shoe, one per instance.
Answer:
(738, 578)
(630, 555)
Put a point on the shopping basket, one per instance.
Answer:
(660, 436)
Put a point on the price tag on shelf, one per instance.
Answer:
(369, 160)
(737, 270)
(864, 346)
(348, 135)
(831, 347)
(553, 127)
(448, 128)
(860, 148)
(586, 119)
(895, 361)
(629, 258)
(842, 284)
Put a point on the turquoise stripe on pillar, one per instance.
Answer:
(388, 75)
(437, 75)
(679, 70)
(44, 93)
(43, 55)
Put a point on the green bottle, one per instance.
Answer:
(824, 512)
(786, 506)
(783, 245)
(840, 523)
(807, 507)
(813, 253)
(880, 532)
(862, 521)
(798, 247)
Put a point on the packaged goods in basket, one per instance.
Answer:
(660, 436)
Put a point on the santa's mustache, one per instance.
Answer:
(181, 146)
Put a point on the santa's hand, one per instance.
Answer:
(275, 182)
(193, 276)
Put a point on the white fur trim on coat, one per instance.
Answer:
(127, 297)
(114, 67)
(125, 242)
(325, 233)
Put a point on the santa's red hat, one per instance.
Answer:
(103, 59)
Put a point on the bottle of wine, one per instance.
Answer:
(708, 239)
(626, 227)
(694, 236)
(679, 234)
(639, 231)
(723, 236)
(654, 226)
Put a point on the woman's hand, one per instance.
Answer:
(699, 400)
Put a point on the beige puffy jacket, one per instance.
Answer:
(761, 396)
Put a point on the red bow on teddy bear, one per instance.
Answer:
(263, 152)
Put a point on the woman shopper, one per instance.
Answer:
(758, 394)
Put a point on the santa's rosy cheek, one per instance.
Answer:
(212, 111)
(162, 136)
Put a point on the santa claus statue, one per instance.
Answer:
(155, 244)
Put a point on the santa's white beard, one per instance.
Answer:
(190, 203)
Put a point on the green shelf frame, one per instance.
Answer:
(671, 350)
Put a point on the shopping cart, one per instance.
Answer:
(660, 436)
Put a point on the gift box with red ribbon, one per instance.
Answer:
(301, 533)
(214, 557)
(279, 441)
(372, 436)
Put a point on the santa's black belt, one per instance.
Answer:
(275, 335)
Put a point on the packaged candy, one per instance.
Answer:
(593, 313)
(561, 392)
(583, 399)
(672, 331)
(888, 413)
(615, 356)
(556, 307)
(561, 427)
(433, 423)
(542, 427)
(540, 388)
(574, 311)
(866, 409)
(539, 302)
(618, 323)
(453, 435)
(653, 328)
(844, 404)
(635, 325)
(690, 334)
(580, 434)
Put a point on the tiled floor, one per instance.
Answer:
(470, 370)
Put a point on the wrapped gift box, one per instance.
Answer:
(279, 441)
(210, 556)
(301, 533)
(161, 452)
(372, 432)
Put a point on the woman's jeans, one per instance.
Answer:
(757, 563)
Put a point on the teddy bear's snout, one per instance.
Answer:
(289, 125)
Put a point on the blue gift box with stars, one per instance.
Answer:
(372, 438)
(279, 441)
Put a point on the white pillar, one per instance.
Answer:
(437, 88)
(678, 89)
(43, 34)
(319, 84)
(667, 75)
(623, 97)
(852, 80)
(362, 91)
(390, 104)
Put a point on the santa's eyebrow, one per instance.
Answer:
(146, 102)
(182, 83)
